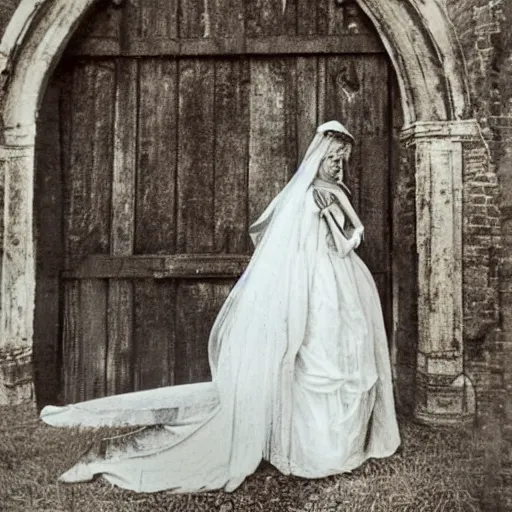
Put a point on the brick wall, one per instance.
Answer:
(483, 28)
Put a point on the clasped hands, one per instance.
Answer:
(325, 200)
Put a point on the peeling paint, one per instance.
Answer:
(206, 20)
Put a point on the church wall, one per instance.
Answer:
(483, 28)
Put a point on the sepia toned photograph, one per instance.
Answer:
(256, 255)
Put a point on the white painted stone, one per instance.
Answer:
(459, 130)
(442, 366)
(464, 383)
(17, 28)
(439, 224)
(422, 362)
(439, 170)
(427, 56)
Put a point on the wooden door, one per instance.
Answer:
(164, 133)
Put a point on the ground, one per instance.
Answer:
(434, 470)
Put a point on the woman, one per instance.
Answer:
(298, 354)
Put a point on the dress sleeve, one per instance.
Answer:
(347, 208)
(335, 219)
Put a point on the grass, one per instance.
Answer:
(435, 470)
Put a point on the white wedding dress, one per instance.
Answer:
(300, 369)
(336, 370)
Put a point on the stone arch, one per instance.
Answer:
(429, 66)
(426, 55)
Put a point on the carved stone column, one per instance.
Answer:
(18, 275)
(444, 395)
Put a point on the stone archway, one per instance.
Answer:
(434, 98)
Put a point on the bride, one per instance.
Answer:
(298, 354)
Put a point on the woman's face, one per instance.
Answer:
(332, 165)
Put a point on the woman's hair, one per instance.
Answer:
(341, 140)
(346, 144)
(340, 136)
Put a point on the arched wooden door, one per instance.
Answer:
(166, 129)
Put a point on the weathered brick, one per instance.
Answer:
(483, 30)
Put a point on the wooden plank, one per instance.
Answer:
(49, 244)
(330, 17)
(154, 335)
(307, 17)
(88, 181)
(299, 45)
(226, 46)
(150, 23)
(271, 17)
(93, 353)
(155, 225)
(196, 309)
(375, 151)
(88, 184)
(195, 19)
(290, 116)
(196, 225)
(120, 292)
(203, 19)
(84, 348)
(93, 293)
(77, 141)
(119, 377)
(46, 341)
(72, 347)
(156, 220)
(321, 90)
(228, 19)
(125, 159)
(231, 155)
(219, 46)
(333, 18)
(69, 346)
(205, 299)
(102, 25)
(159, 267)
(356, 21)
(268, 160)
(307, 113)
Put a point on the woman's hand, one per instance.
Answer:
(357, 237)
